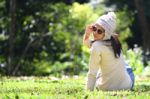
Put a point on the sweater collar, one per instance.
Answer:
(104, 42)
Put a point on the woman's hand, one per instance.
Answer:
(88, 30)
(86, 37)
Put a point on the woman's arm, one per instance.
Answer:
(86, 37)
(94, 63)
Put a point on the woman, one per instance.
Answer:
(106, 57)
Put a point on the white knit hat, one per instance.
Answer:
(108, 22)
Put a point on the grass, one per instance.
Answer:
(67, 88)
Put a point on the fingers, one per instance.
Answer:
(89, 29)
(90, 26)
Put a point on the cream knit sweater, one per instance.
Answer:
(113, 74)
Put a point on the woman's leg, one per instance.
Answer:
(131, 74)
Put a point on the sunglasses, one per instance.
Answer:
(99, 31)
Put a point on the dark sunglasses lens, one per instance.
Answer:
(99, 31)
(94, 28)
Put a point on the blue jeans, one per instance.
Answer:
(130, 72)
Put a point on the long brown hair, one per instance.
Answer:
(116, 45)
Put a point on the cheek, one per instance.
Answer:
(103, 35)
(95, 35)
(98, 36)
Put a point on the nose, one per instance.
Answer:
(94, 32)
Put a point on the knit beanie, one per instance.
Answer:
(108, 22)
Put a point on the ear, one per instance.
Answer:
(115, 36)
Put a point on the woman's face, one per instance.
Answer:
(98, 32)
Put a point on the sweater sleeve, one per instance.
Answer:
(94, 63)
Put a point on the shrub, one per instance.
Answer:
(135, 59)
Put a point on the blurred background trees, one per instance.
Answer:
(44, 37)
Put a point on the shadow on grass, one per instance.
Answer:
(142, 88)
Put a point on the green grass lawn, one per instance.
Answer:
(67, 88)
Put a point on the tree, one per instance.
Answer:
(144, 24)
(12, 33)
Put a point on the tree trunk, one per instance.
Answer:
(12, 31)
(144, 24)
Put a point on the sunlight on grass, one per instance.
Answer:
(67, 88)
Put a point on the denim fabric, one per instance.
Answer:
(130, 72)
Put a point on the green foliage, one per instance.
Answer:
(124, 21)
(135, 59)
(83, 14)
(41, 67)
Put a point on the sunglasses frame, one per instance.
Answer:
(99, 31)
